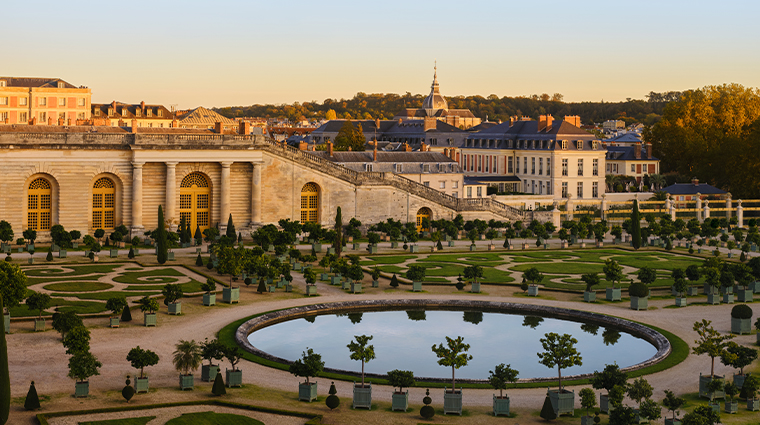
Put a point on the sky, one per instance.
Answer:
(230, 53)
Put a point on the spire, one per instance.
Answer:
(434, 87)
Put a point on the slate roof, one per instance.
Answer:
(625, 138)
(482, 126)
(693, 189)
(51, 83)
(420, 113)
(128, 111)
(205, 117)
(22, 128)
(382, 156)
(530, 128)
(626, 153)
(368, 126)
(490, 179)
(418, 126)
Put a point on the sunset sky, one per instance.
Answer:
(224, 52)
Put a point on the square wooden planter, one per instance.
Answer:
(175, 308)
(150, 319)
(533, 290)
(113, 253)
(39, 325)
(681, 302)
(589, 297)
(317, 247)
(234, 378)
(500, 406)
(713, 298)
(372, 249)
(741, 326)
(394, 244)
(62, 253)
(672, 421)
(142, 385)
(356, 246)
(231, 295)
(362, 396)
(475, 287)
(307, 392)
(417, 286)
(331, 251)
(186, 382)
(728, 298)
(356, 287)
(639, 303)
(562, 402)
(755, 287)
(744, 295)
(472, 247)
(209, 299)
(400, 401)
(414, 248)
(613, 294)
(704, 392)
(732, 407)
(753, 405)
(30, 260)
(170, 256)
(82, 389)
(114, 322)
(7, 322)
(604, 403)
(587, 420)
(375, 283)
(208, 372)
(345, 285)
(311, 290)
(288, 288)
(692, 291)
(451, 243)
(272, 288)
(452, 402)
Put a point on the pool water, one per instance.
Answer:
(403, 340)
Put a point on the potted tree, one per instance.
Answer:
(588, 401)
(362, 352)
(693, 273)
(187, 358)
(738, 357)
(741, 319)
(640, 391)
(749, 388)
(209, 298)
(149, 307)
(712, 283)
(116, 305)
(65, 321)
(355, 273)
(375, 274)
(672, 403)
(416, 273)
(233, 354)
(533, 276)
(309, 365)
(211, 350)
(712, 343)
(731, 391)
(472, 235)
(473, 273)
(608, 379)
(311, 279)
(613, 272)
(455, 356)
(82, 366)
(373, 239)
(172, 293)
(591, 280)
(498, 378)
(401, 379)
(560, 351)
(12, 291)
(680, 286)
(40, 302)
(639, 292)
(140, 359)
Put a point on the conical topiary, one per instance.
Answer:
(5, 378)
(162, 248)
(231, 233)
(240, 238)
(126, 314)
(439, 245)
(547, 411)
(262, 286)
(218, 388)
(394, 281)
(743, 257)
(32, 401)
(427, 411)
(128, 392)
(49, 256)
(199, 261)
(131, 253)
(332, 400)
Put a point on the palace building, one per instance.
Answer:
(50, 101)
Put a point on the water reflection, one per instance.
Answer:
(473, 317)
(355, 318)
(589, 328)
(532, 321)
(610, 336)
(416, 315)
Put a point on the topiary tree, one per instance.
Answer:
(126, 314)
(672, 403)
(162, 248)
(613, 272)
(741, 311)
(559, 351)
(38, 301)
(710, 342)
(309, 365)
(332, 400)
(701, 415)
(77, 340)
(453, 355)
(65, 321)
(49, 256)
(140, 359)
(401, 379)
(738, 356)
(647, 275)
(187, 356)
(83, 365)
(148, 305)
(588, 399)
(416, 273)
(638, 290)
(361, 351)
(591, 280)
(427, 411)
(500, 376)
(635, 225)
(5, 378)
(533, 276)
(218, 388)
(547, 410)
(233, 354)
(172, 293)
(116, 305)
(32, 401)
(610, 377)
(394, 281)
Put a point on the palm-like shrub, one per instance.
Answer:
(187, 356)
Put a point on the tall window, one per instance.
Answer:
(103, 204)
(564, 167)
(548, 167)
(525, 165)
(533, 165)
(540, 166)
(564, 189)
(580, 167)
(595, 190)
(595, 169)
(310, 203)
(517, 165)
(580, 190)
(509, 165)
(39, 205)
(423, 213)
(195, 200)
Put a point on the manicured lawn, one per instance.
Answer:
(561, 268)
(211, 418)
(77, 286)
(387, 259)
(162, 275)
(75, 270)
(80, 307)
(103, 296)
(129, 421)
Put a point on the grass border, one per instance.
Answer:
(679, 352)
(314, 419)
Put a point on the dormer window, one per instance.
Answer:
(110, 111)
(97, 112)
(3, 83)
(61, 85)
(124, 112)
(150, 112)
(564, 144)
(579, 145)
(368, 167)
(160, 112)
(138, 112)
(399, 168)
(595, 144)
(426, 168)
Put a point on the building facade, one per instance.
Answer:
(121, 114)
(633, 161)
(49, 101)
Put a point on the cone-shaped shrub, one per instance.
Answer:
(160, 235)
(32, 401)
(231, 232)
(547, 412)
(49, 256)
(394, 281)
(199, 261)
(131, 253)
(332, 400)
(126, 315)
(218, 388)
(439, 245)
(262, 286)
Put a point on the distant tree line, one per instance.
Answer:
(385, 106)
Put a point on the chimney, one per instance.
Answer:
(648, 153)
(113, 105)
(175, 123)
(377, 123)
(218, 129)
(541, 122)
(330, 149)
(245, 128)
(134, 126)
(695, 181)
(430, 123)
(573, 119)
(423, 147)
(549, 121)
(637, 151)
(142, 106)
(302, 146)
(446, 151)
(33, 121)
(452, 153)
(512, 120)
(399, 121)
(407, 148)
(457, 158)
(374, 153)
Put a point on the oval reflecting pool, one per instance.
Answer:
(402, 340)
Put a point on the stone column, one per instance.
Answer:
(707, 209)
(603, 207)
(569, 206)
(672, 208)
(256, 195)
(698, 207)
(225, 204)
(556, 215)
(170, 212)
(137, 196)
(728, 207)
(739, 213)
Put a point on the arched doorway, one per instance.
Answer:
(423, 213)
(39, 205)
(195, 201)
(103, 204)
(310, 203)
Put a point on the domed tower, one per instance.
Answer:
(434, 101)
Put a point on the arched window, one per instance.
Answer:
(39, 205)
(195, 201)
(310, 203)
(422, 214)
(103, 204)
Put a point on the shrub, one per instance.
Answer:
(741, 311)
(394, 281)
(199, 261)
(218, 388)
(332, 400)
(638, 290)
(547, 411)
(32, 401)
(48, 257)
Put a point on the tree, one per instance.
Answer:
(710, 342)
(738, 356)
(500, 376)
(12, 284)
(533, 276)
(309, 365)
(116, 305)
(610, 377)
(350, 136)
(77, 340)
(613, 272)
(160, 236)
(635, 225)
(559, 351)
(218, 387)
(148, 305)
(647, 275)
(140, 359)
(672, 403)
(639, 390)
(233, 354)
(547, 410)
(338, 242)
(701, 415)
(591, 280)
(187, 356)
(231, 232)
(65, 321)
(83, 365)
(453, 355)
(401, 379)
(38, 301)
(416, 273)
(5, 378)
(6, 231)
(32, 401)
(172, 293)
(473, 273)
(588, 399)
(361, 351)
(394, 281)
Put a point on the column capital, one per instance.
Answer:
(136, 164)
(171, 164)
(226, 164)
